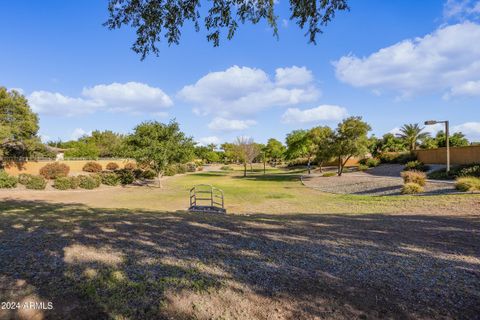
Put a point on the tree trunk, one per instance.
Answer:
(308, 166)
(339, 168)
(264, 167)
(251, 167)
(244, 169)
(320, 166)
(159, 178)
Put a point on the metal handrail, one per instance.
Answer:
(214, 193)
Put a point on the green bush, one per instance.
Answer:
(126, 176)
(329, 174)
(54, 170)
(417, 177)
(226, 168)
(416, 165)
(470, 170)
(130, 166)
(23, 178)
(181, 168)
(36, 183)
(74, 182)
(396, 157)
(88, 182)
(62, 183)
(411, 188)
(372, 162)
(92, 166)
(170, 170)
(112, 166)
(7, 181)
(191, 167)
(149, 174)
(110, 179)
(362, 167)
(468, 184)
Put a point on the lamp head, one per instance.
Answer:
(430, 122)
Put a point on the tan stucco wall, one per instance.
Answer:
(33, 167)
(458, 155)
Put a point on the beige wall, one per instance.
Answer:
(458, 155)
(33, 167)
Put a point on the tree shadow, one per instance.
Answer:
(105, 263)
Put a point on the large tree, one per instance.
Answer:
(154, 19)
(412, 134)
(349, 140)
(18, 125)
(158, 145)
(274, 151)
(109, 143)
(246, 151)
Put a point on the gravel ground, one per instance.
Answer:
(379, 181)
(103, 264)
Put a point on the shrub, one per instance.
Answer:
(395, 157)
(36, 183)
(88, 182)
(92, 166)
(416, 165)
(440, 175)
(7, 181)
(226, 168)
(468, 184)
(469, 171)
(191, 167)
(362, 167)
(149, 174)
(411, 188)
(112, 166)
(417, 177)
(329, 174)
(23, 178)
(170, 170)
(126, 176)
(199, 168)
(372, 162)
(74, 182)
(62, 183)
(110, 179)
(130, 166)
(54, 170)
(181, 168)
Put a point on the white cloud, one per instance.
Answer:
(470, 129)
(222, 124)
(321, 113)
(243, 90)
(208, 140)
(131, 97)
(78, 133)
(461, 9)
(437, 62)
(395, 131)
(470, 88)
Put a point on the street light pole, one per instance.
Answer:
(447, 134)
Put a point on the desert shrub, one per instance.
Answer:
(126, 176)
(130, 166)
(62, 183)
(74, 182)
(181, 168)
(417, 177)
(329, 174)
(372, 162)
(112, 166)
(416, 165)
(226, 168)
(54, 170)
(170, 170)
(297, 162)
(469, 171)
(199, 168)
(468, 184)
(395, 157)
(23, 178)
(36, 183)
(92, 166)
(411, 188)
(110, 179)
(149, 174)
(191, 167)
(362, 167)
(88, 182)
(7, 181)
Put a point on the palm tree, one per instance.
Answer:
(412, 133)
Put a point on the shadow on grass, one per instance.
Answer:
(106, 263)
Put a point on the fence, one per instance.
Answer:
(17, 166)
(458, 155)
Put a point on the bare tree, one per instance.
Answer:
(246, 150)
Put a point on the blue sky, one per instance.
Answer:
(391, 62)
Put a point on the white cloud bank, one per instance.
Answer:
(131, 97)
(444, 61)
(244, 90)
(461, 9)
(222, 124)
(470, 129)
(320, 113)
(204, 141)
